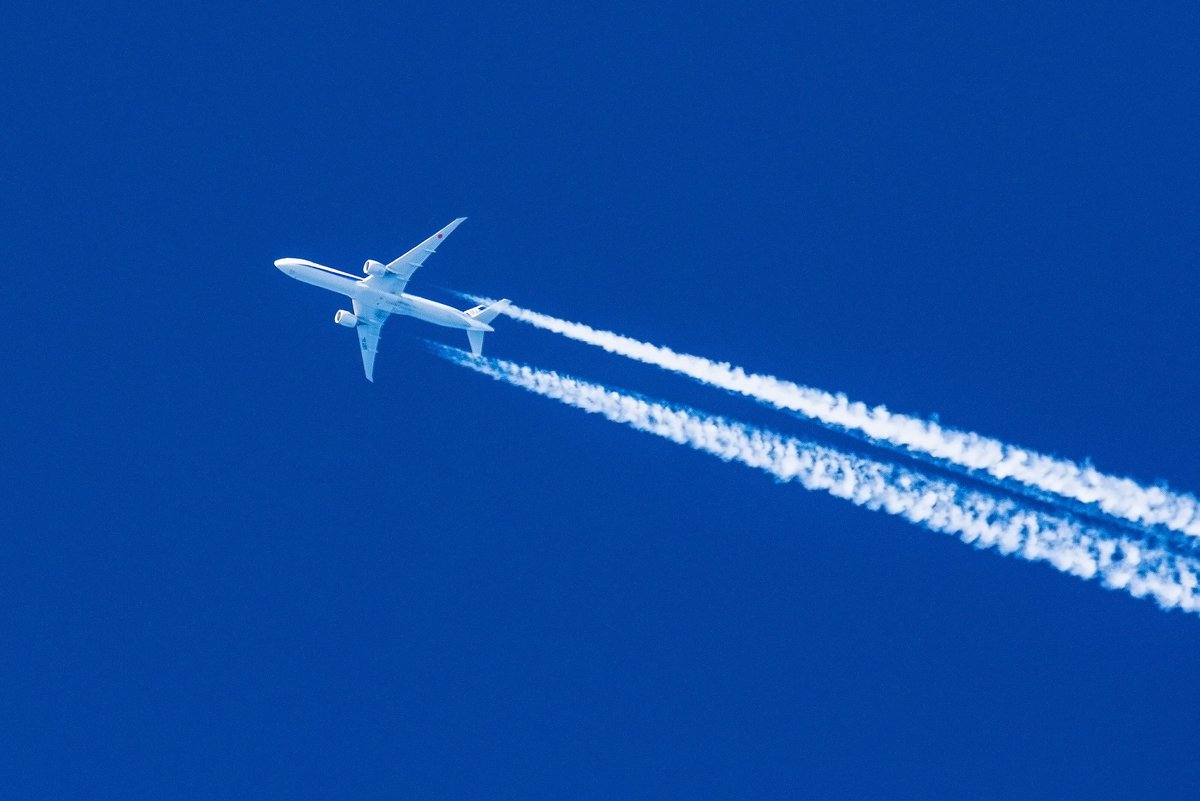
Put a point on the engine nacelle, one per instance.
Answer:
(373, 267)
(345, 318)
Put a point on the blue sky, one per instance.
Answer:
(234, 568)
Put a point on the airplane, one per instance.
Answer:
(381, 293)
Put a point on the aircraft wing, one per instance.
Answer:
(370, 324)
(400, 270)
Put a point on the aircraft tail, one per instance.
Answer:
(476, 339)
(485, 314)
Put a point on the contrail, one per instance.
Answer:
(1119, 497)
(1139, 567)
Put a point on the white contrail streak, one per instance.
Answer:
(1120, 562)
(1113, 495)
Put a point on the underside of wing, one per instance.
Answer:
(370, 323)
(399, 271)
(368, 341)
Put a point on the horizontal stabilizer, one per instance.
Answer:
(485, 314)
(476, 340)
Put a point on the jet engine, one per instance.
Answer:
(373, 267)
(345, 318)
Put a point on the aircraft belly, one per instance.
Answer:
(436, 313)
(345, 286)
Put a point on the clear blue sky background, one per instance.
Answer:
(233, 568)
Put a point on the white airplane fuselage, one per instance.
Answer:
(380, 294)
(359, 289)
